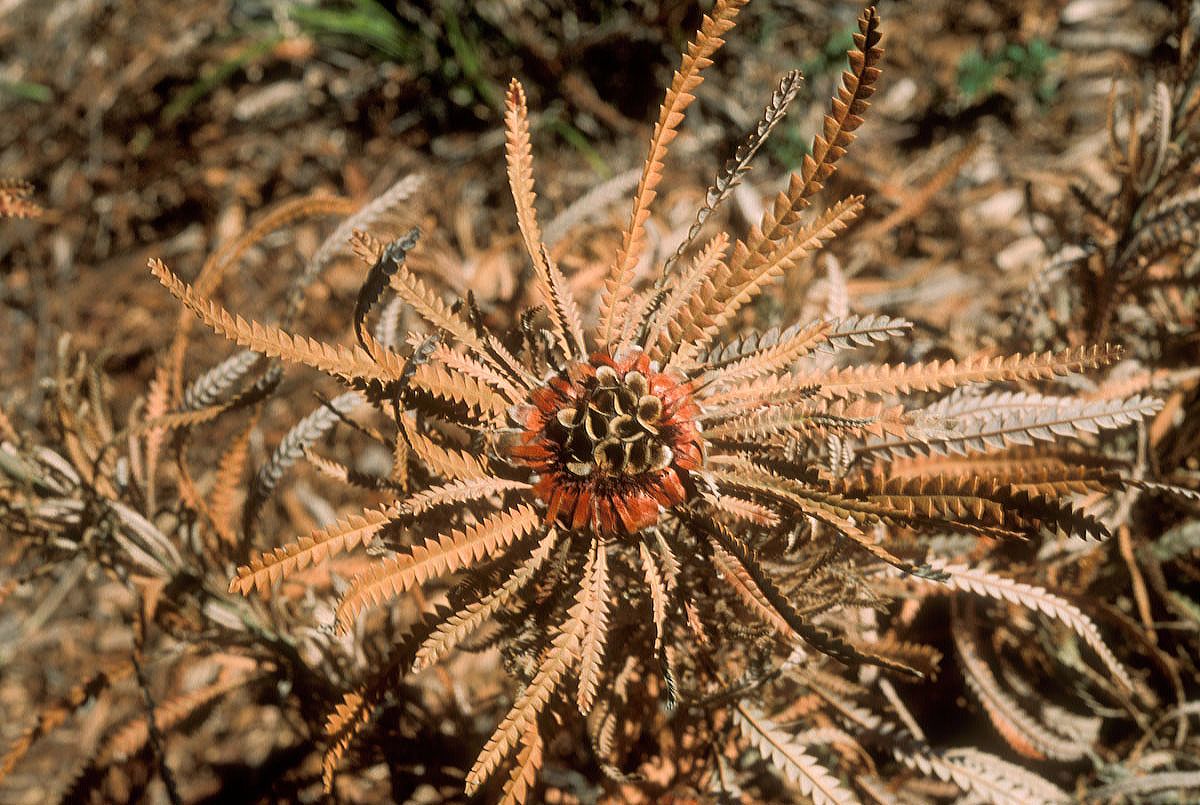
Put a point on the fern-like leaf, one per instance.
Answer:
(348, 719)
(731, 293)
(733, 559)
(562, 656)
(471, 367)
(1020, 729)
(862, 331)
(461, 491)
(669, 324)
(291, 447)
(222, 498)
(935, 375)
(595, 634)
(772, 352)
(436, 556)
(268, 569)
(839, 125)
(211, 387)
(657, 587)
(447, 462)
(564, 315)
(783, 752)
(993, 779)
(381, 270)
(525, 769)
(453, 386)
(451, 631)
(685, 81)
(739, 165)
(1038, 599)
(419, 296)
(999, 429)
(337, 360)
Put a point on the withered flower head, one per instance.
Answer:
(613, 441)
(627, 480)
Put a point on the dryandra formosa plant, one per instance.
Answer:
(611, 496)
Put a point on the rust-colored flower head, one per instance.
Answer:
(613, 441)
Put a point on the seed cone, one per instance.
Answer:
(613, 441)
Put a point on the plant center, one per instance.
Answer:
(613, 441)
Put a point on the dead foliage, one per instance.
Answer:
(736, 505)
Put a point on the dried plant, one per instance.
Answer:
(135, 506)
(721, 563)
(614, 499)
(1127, 263)
(14, 200)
